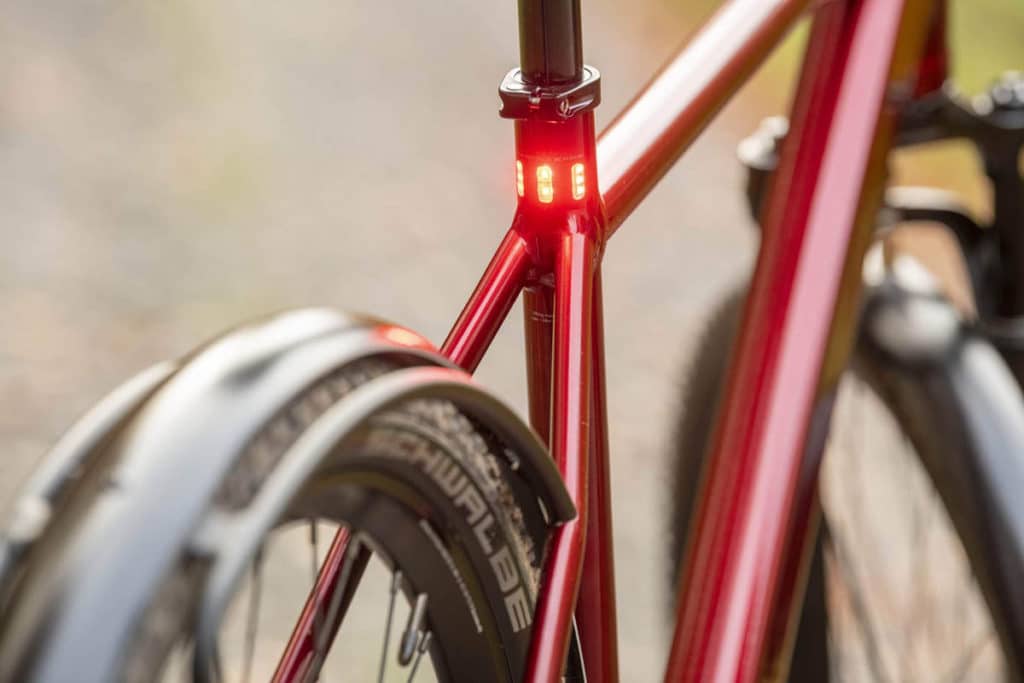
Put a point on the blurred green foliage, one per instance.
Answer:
(986, 38)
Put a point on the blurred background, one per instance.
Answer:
(169, 169)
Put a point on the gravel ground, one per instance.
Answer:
(167, 169)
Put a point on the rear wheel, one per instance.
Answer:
(891, 595)
(441, 568)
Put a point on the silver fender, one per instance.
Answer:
(173, 448)
(65, 463)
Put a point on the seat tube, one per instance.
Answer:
(550, 41)
(560, 217)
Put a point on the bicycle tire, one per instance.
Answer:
(811, 661)
(372, 484)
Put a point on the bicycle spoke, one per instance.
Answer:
(253, 611)
(960, 613)
(314, 541)
(315, 566)
(962, 666)
(218, 664)
(833, 661)
(916, 595)
(901, 606)
(860, 609)
(424, 642)
(410, 636)
(396, 579)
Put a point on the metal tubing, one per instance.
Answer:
(574, 280)
(934, 69)
(739, 587)
(595, 608)
(550, 41)
(489, 304)
(301, 649)
(643, 141)
(538, 326)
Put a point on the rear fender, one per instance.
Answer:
(173, 437)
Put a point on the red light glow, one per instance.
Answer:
(405, 337)
(545, 185)
(579, 187)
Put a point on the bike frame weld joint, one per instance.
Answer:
(523, 100)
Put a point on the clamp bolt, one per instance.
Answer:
(522, 100)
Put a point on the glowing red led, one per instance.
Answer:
(579, 186)
(545, 184)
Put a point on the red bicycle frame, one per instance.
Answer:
(742, 582)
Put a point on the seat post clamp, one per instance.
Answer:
(557, 103)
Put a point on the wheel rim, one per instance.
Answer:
(256, 629)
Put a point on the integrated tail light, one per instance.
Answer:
(565, 181)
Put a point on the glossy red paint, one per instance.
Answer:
(595, 608)
(538, 329)
(542, 225)
(570, 431)
(650, 134)
(565, 238)
(796, 333)
(294, 664)
(934, 68)
(742, 578)
(489, 304)
(555, 244)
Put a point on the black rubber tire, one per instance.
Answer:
(406, 479)
(811, 662)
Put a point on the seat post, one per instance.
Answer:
(550, 42)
